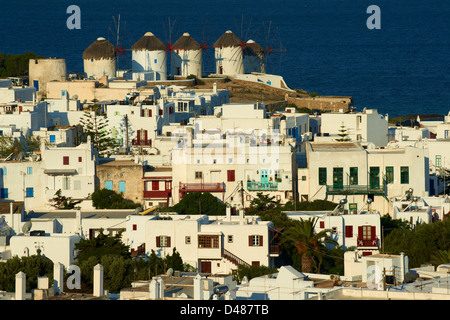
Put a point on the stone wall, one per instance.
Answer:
(326, 103)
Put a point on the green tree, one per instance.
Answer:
(100, 246)
(62, 202)
(343, 135)
(200, 203)
(252, 272)
(33, 266)
(16, 65)
(109, 199)
(302, 239)
(95, 126)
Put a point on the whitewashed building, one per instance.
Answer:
(340, 170)
(214, 245)
(149, 58)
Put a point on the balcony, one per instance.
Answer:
(258, 186)
(367, 243)
(274, 250)
(355, 189)
(202, 187)
(157, 194)
(142, 143)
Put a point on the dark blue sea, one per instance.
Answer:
(402, 68)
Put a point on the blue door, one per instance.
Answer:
(36, 84)
(109, 185)
(264, 176)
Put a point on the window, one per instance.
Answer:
(354, 175)
(65, 161)
(230, 239)
(4, 193)
(404, 175)
(367, 232)
(108, 185)
(30, 192)
(134, 227)
(80, 159)
(348, 231)
(66, 183)
(187, 239)
(208, 241)
(52, 138)
(122, 186)
(390, 174)
(3, 171)
(255, 241)
(322, 176)
(230, 175)
(30, 170)
(438, 161)
(198, 174)
(322, 224)
(155, 185)
(163, 241)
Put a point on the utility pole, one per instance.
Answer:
(242, 194)
(126, 128)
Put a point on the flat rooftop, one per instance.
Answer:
(335, 146)
(88, 214)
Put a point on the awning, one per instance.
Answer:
(60, 171)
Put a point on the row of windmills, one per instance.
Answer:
(151, 58)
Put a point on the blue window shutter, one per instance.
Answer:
(109, 185)
(52, 138)
(4, 193)
(3, 171)
(29, 192)
(30, 170)
(122, 185)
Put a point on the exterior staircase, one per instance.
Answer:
(234, 259)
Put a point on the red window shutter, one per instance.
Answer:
(145, 135)
(360, 232)
(80, 159)
(142, 113)
(250, 241)
(168, 241)
(348, 231)
(322, 224)
(134, 227)
(65, 160)
(260, 241)
(372, 233)
(149, 112)
(138, 136)
(158, 241)
(160, 112)
(230, 174)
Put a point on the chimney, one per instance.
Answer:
(20, 285)
(241, 216)
(58, 278)
(198, 288)
(215, 87)
(228, 213)
(154, 290)
(98, 281)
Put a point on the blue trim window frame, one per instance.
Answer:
(29, 170)
(29, 192)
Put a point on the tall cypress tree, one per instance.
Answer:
(95, 126)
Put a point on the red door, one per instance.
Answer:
(205, 267)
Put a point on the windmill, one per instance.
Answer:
(272, 45)
(169, 45)
(122, 61)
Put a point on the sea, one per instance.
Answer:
(322, 46)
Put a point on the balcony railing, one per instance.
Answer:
(356, 189)
(274, 249)
(138, 142)
(367, 243)
(262, 186)
(158, 194)
(202, 187)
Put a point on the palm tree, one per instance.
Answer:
(309, 244)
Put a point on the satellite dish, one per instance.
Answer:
(169, 272)
(26, 227)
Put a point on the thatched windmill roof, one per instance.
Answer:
(148, 42)
(252, 48)
(186, 42)
(228, 39)
(100, 49)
